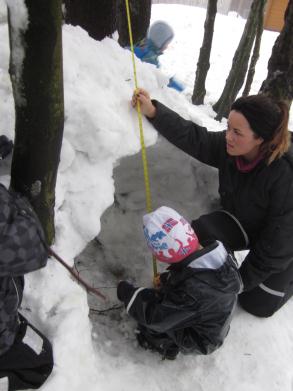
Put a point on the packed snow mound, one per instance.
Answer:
(100, 129)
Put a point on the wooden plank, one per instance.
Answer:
(274, 18)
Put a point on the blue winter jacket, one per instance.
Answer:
(146, 51)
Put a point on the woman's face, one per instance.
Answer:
(240, 139)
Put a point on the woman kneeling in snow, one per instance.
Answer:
(254, 158)
(192, 307)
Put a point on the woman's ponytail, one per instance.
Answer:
(280, 142)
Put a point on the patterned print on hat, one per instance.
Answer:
(169, 236)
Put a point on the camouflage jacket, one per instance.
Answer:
(22, 250)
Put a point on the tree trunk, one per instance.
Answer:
(97, 17)
(39, 106)
(240, 61)
(140, 13)
(203, 63)
(279, 81)
(255, 55)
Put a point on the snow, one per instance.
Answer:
(99, 160)
(19, 22)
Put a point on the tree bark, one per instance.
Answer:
(140, 13)
(39, 107)
(203, 63)
(97, 17)
(255, 55)
(100, 18)
(240, 61)
(279, 81)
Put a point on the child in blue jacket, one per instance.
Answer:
(149, 49)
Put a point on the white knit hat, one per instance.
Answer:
(169, 236)
(160, 33)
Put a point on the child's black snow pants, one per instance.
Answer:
(28, 363)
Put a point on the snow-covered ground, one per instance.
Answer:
(100, 169)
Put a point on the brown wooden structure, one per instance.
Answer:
(274, 16)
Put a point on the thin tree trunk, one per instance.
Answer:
(39, 106)
(203, 63)
(279, 81)
(255, 55)
(240, 61)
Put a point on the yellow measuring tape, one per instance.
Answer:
(143, 150)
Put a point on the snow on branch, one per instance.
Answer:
(18, 16)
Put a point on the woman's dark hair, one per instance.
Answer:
(268, 119)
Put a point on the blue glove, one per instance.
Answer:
(173, 83)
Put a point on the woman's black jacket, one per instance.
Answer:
(194, 306)
(262, 199)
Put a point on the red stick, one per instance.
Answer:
(88, 287)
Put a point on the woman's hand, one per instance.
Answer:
(146, 106)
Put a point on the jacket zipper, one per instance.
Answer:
(17, 293)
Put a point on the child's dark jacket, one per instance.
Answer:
(194, 306)
(21, 251)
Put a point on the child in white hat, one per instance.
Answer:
(191, 310)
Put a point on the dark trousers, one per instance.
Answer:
(159, 342)
(268, 297)
(26, 364)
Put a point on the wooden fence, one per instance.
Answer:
(224, 6)
(274, 15)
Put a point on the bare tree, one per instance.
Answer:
(203, 63)
(101, 18)
(240, 61)
(37, 84)
(279, 81)
(97, 17)
(255, 55)
(140, 20)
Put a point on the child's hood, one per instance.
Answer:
(213, 266)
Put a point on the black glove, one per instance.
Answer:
(6, 146)
(124, 291)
